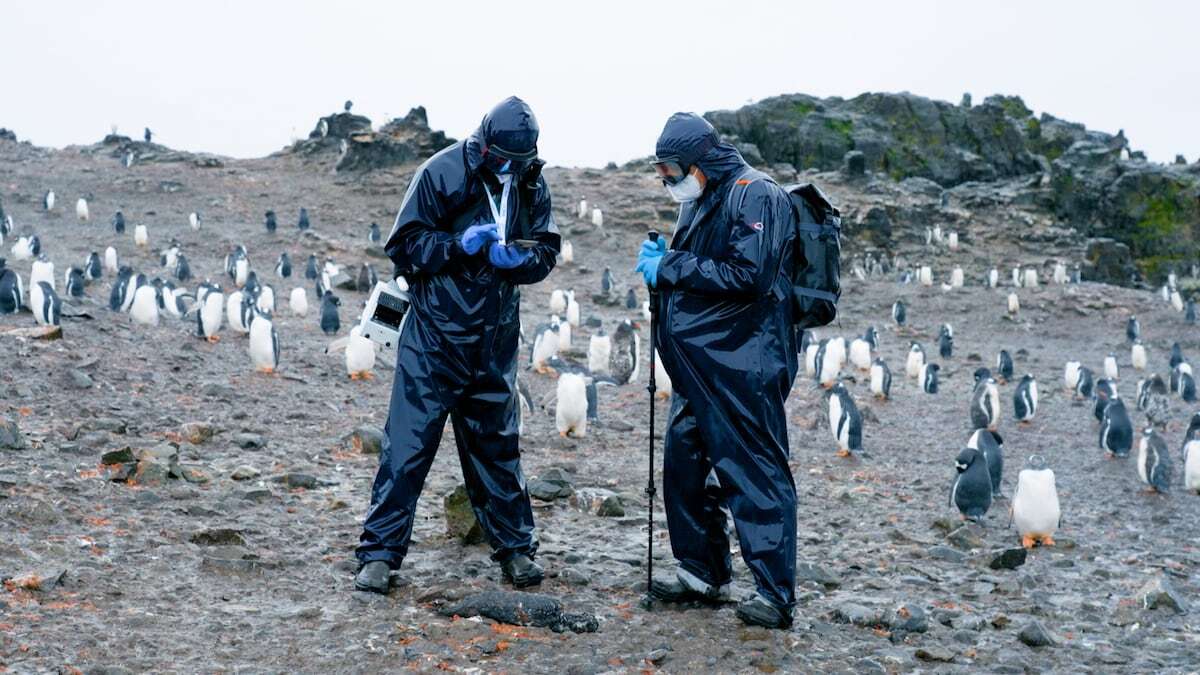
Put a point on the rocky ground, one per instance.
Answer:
(231, 548)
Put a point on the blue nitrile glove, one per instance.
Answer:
(649, 258)
(476, 236)
(508, 257)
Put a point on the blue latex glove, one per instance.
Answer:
(508, 257)
(649, 259)
(476, 236)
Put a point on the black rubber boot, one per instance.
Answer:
(674, 590)
(756, 611)
(374, 577)
(521, 571)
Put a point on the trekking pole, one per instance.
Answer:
(648, 601)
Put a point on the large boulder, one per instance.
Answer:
(1108, 261)
(402, 141)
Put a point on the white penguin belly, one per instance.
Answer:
(570, 413)
(1035, 504)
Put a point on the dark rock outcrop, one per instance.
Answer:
(7, 135)
(402, 141)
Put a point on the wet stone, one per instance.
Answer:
(1008, 559)
(460, 517)
(221, 536)
(249, 441)
(909, 618)
(966, 537)
(947, 554)
(197, 432)
(611, 507)
(1034, 634)
(79, 379)
(1160, 594)
(245, 472)
(365, 439)
(934, 653)
(817, 574)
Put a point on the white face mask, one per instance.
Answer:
(686, 190)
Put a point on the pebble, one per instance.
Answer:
(245, 472)
(10, 436)
(365, 439)
(909, 618)
(934, 653)
(1034, 634)
(79, 379)
(966, 537)
(817, 574)
(1159, 593)
(460, 517)
(947, 554)
(1008, 559)
(249, 441)
(197, 432)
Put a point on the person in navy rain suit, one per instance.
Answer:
(726, 335)
(475, 225)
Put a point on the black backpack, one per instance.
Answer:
(816, 282)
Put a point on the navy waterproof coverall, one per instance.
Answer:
(726, 337)
(457, 352)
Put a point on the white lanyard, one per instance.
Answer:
(500, 215)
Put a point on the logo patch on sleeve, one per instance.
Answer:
(757, 227)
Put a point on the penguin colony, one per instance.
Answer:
(239, 301)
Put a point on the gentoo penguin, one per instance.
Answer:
(23, 248)
(1116, 429)
(120, 289)
(871, 336)
(1025, 399)
(1004, 366)
(241, 271)
(367, 278)
(1176, 355)
(270, 223)
(985, 405)
(662, 381)
(929, 377)
(570, 408)
(626, 353)
(1111, 371)
(264, 343)
(811, 351)
(310, 269)
(631, 299)
(11, 291)
(1016, 277)
(972, 490)
(48, 201)
(956, 277)
(583, 208)
(1060, 273)
(906, 277)
(45, 303)
(330, 323)
(1077, 274)
(265, 300)
(1133, 329)
(1155, 401)
(952, 241)
(1105, 392)
(194, 220)
(1014, 303)
(1071, 375)
(147, 135)
(183, 270)
(212, 310)
(860, 354)
(827, 364)
(303, 223)
(558, 301)
(915, 361)
(110, 260)
(144, 309)
(237, 311)
(599, 350)
(946, 342)
(572, 310)
(1191, 455)
(252, 287)
(360, 355)
(1176, 301)
(42, 270)
(283, 268)
(1031, 278)
(1035, 510)
(1189, 312)
(1186, 385)
(597, 217)
(1154, 463)
(74, 283)
(92, 269)
(1137, 356)
(606, 281)
(81, 210)
(899, 312)
(845, 422)
(567, 252)
(373, 234)
(141, 236)
(881, 379)
(545, 347)
(937, 233)
(925, 275)
(1085, 386)
(991, 446)
(993, 278)
(170, 255)
(298, 302)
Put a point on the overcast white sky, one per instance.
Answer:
(243, 78)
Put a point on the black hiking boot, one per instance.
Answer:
(675, 591)
(756, 611)
(521, 571)
(374, 577)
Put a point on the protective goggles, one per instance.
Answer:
(499, 160)
(669, 170)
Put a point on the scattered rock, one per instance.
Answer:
(857, 614)
(306, 481)
(947, 554)
(909, 618)
(1158, 593)
(365, 439)
(574, 576)
(109, 424)
(934, 653)
(249, 441)
(968, 536)
(197, 432)
(460, 517)
(1008, 559)
(10, 435)
(817, 574)
(193, 474)
(245, 472)
(1034, 634)
(217, 390)
(79, 379)
(611, 507)
(221, 536)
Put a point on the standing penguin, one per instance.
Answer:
(42, 270)
(264, 343)
(599, 350)
(915, 360)
(845, 422)
(946, 341)
(929, 377)
(1189, 313)
(208, 318)
(1137, 356)
(631, 299)
(367, 278)
(992, 446)
(144, 309)
(298, 302)
(1155, 401)
(828, 364)
(1085, 385)
(81, 210)
(194, 220)
(92, 269)
(545, 347)
(993, 278)
(662, 381)
(283, 268)
(860, 354)
(567, 252)
(598, 218)
(626, 353)
(360, 355)
(1014, 303)
(110, 260)
(899, 312)
(330, 323)
(1154, 464)
(558, 301)
(236, 313)
(1035, 509)
(1116, 430)
(985, 405)
(373, 235)
(1111, 371)
(48, 201)
(45, 303)
(570, 409)
(972, 490)
(269, 222)
(74, 283)
(120, 289)
(1191, 455)
(1071, 375)
(310, 268)
(1004, 366)
(303, 223)
(1176, 355)
(606, 281)
(881, 379)
(1133, 329)
(1105, 392)
(118, 222)
(183, 270)
(141, 236)
(1025, 399)
(11, 291)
